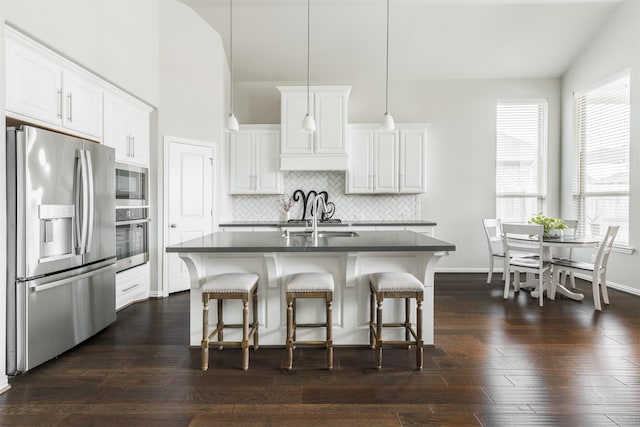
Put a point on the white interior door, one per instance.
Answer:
(190, 202)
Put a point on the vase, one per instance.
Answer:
(554, 233)
(285, 216)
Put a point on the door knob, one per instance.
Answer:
(173, 225)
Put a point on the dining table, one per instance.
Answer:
(556, 243)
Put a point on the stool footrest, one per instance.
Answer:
(310, 343)
(252, 328)
(310, 325)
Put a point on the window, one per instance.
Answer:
(521, 129)
(601, 184)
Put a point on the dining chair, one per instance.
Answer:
(524, 253)
(597, 269)
(493, 232)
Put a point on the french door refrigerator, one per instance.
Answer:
(61, 243)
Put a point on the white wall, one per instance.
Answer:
(193, 76)
(4, 385)
(616, 48)
(461, 145)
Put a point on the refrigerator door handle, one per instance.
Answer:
(82, 203)
(91, 197)
(34, 287)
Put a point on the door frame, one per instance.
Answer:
(167, 141)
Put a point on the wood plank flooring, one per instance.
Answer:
(496, 362)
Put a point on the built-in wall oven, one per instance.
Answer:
(132, 216)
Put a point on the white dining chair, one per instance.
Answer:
(524, 253)
(597, 269)
(493, 232)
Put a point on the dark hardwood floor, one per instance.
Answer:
(495, 363)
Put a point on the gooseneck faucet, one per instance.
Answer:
(317, 212)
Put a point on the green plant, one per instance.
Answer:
(548, 222)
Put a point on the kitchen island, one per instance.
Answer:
(349, 257)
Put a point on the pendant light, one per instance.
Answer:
(232, 122)
(387, 120)
(308, 124)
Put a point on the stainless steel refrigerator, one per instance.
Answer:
(61, 243)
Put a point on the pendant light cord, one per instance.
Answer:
(231, 56)
(386, 96)
(308, 54)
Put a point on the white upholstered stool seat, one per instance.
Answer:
(310, 282)
(309, 285)
(391, 282)
(240, 286)
(395, 285)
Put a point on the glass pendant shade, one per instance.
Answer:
(308, 124)
(387, 122)
(232, 123)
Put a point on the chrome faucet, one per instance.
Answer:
(317, 212)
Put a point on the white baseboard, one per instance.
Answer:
(610, 284)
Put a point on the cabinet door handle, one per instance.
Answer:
(133, 146)
(70, 96)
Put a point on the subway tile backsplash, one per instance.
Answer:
(348, 206)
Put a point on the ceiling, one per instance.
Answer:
(429, 39)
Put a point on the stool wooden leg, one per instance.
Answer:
(290, 331)
(245, 333)
(329, 325)
(256, 344)
(379, 333)
(220, 324)
(419, 343)
(205, 332)
(407, 320)
(372, 311)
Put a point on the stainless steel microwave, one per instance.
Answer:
(132, 185)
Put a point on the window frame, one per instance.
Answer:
(579, 193)
(542, 155)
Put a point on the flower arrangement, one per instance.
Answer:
(286, 202)
(549, 224)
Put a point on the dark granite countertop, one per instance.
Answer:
(344, 223)
(273, 241)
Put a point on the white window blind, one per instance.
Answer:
(601, 185)
(521, 129)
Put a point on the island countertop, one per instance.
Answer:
(344, 223)
(273, 241)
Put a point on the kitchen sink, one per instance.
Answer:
(321, 234)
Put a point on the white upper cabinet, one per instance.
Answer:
(126, 127)
(326, 148)
(254, 160)
(44, 88)
(386, 161)
(413, 157)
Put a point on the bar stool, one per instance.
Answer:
(395, 285)
(309, 285)
(222, 287)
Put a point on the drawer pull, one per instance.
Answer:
(130, 287)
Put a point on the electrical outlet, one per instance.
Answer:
(593, 258)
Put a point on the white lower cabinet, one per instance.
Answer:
(132, 285)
